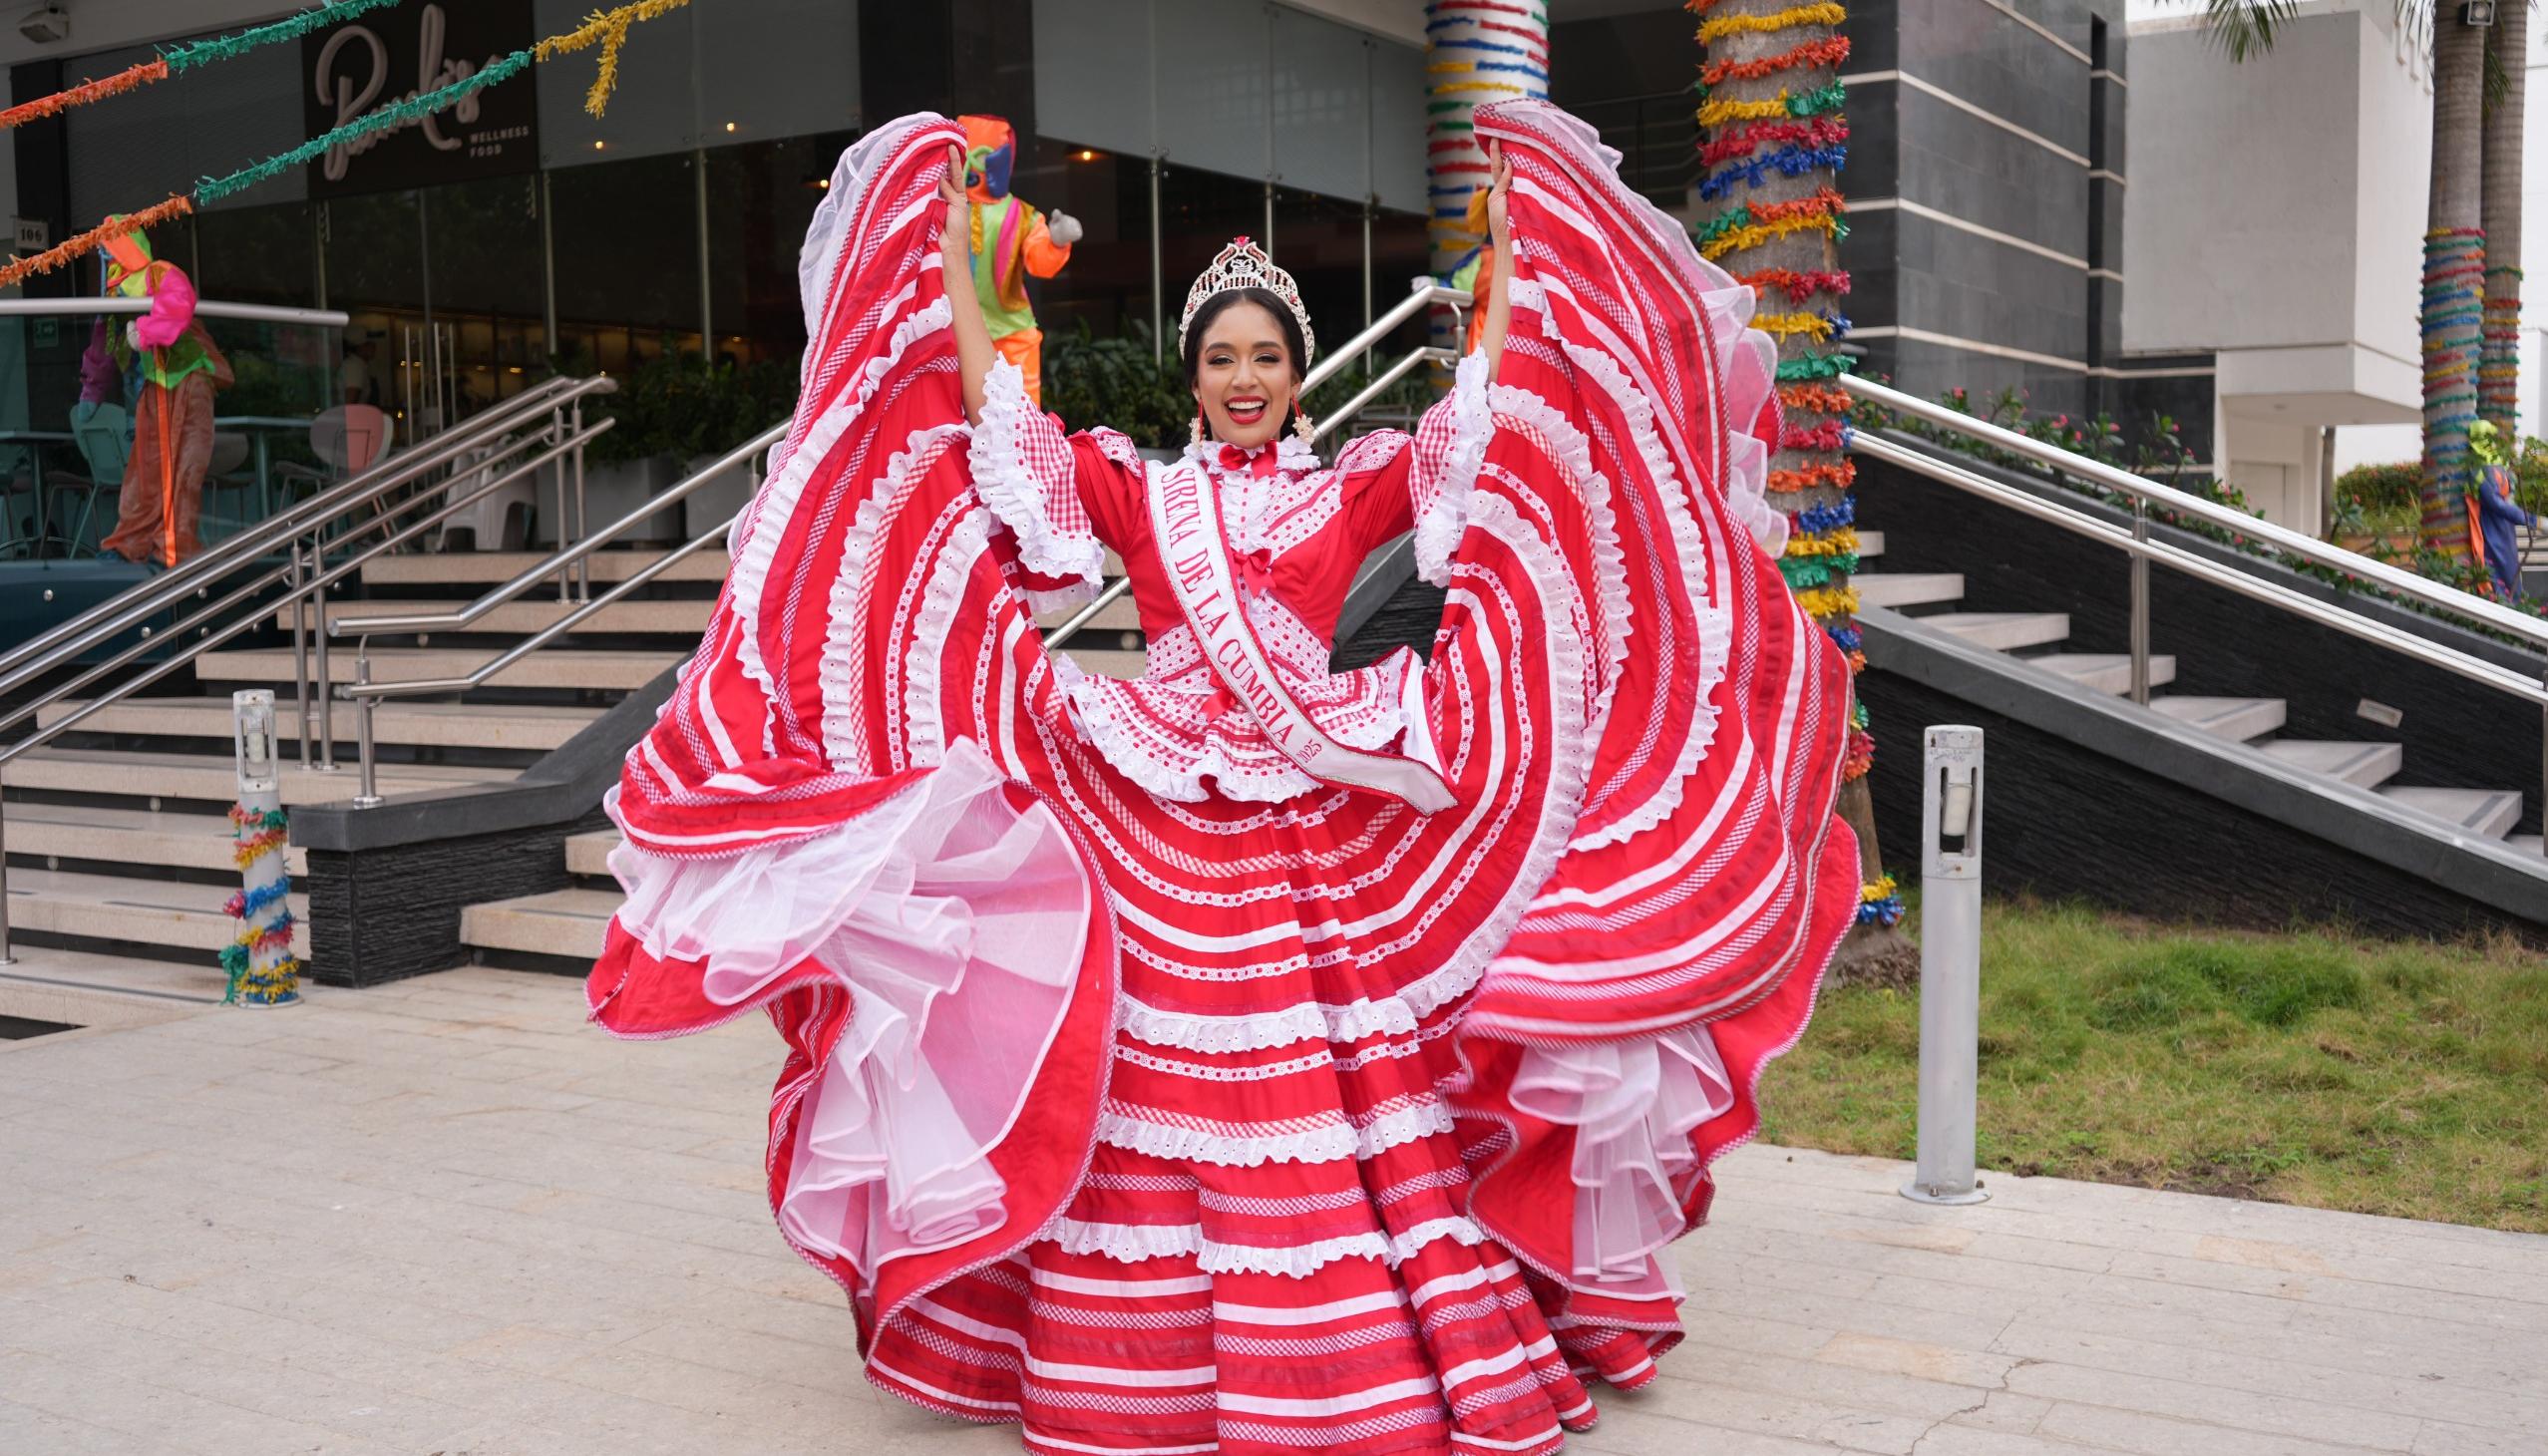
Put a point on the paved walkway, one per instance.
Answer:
(444, 1217)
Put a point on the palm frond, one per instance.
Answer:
(2245, 27)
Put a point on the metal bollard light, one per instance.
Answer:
(1949, 965)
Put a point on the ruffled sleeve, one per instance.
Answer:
(1026, 471)
(1450, 445)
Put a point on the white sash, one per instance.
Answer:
(1185, 519)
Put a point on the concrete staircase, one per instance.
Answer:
(116, 837)
(2036, 639)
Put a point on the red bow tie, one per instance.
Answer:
(1258, 462)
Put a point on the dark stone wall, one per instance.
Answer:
(1915, 272)
(2067, 823)
(383, 914)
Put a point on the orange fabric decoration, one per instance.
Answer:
(20, 270)
(131, 78)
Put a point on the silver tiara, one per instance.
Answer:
(1242, 264)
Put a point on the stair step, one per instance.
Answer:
(2004, 632)
(565, 923)
(2528, 843)
(2104, 672)
(2485, 812)
(2237, 719)
(131, 837)
(143, 911)
(488, 567)
(1103, 662)
(1870, 544)
(562, 667)
(685, 616)
(1908, 588)
(590, 854)
(534, 728)
(2368, 765)
(200, 776)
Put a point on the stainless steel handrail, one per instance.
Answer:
(195, 576)
(2307, 548)
(367, 694)
(315, 586)
(1422, 294)
(530, 577)
(117, 614)
(205, 308)
(2136, 542)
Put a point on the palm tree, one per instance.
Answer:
(2498, 363)
(1771, 103)
(2471, 306)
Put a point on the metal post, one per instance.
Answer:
(1269, 194)
(1949, 965)
(1158, 308)
(367, 794)
(566, 575)
(1367, 315)
(261, 969)
(407, 379)
(707, 292)
(6, 956)
(2140, 605)
(300, 650)
(584, 526)
(318, 628)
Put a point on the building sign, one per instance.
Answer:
(391, 56)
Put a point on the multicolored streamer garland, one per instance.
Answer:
(2499, 353)
(1474, 51)
(2454, 271)
(1825, 14)
(1880, 903)
(131, 78)
(1745, 138)
(1798, 132)
(278, 980)
(609, 28)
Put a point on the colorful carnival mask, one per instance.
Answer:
(990, 154)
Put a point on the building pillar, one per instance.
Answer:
(1475, 51)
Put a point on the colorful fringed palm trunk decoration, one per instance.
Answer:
(1475, 51)
(2454, 274)
(260, 963)
(1773, 138)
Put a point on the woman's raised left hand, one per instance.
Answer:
(1498, 231)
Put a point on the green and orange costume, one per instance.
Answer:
(162, 498)
(1011, 241)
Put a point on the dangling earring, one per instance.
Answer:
(1300, 426)
(1197, 431)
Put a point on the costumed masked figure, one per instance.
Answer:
(2495, 513)
(1009, 241)
(1247, 1056)
(163, 497)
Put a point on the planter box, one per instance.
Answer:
(610, 492)
(710, 506)
(2400, 541)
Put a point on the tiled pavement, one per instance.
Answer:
(445, 1217)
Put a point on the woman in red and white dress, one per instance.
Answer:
(1250, 1057)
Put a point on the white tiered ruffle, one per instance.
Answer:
(956, 922)
(1633, 1105)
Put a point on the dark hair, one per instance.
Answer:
(1220, 303)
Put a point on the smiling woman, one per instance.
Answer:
(1252, 1057)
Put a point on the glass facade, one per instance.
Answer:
(671, 227)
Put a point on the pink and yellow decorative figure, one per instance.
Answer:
(1012, 240)
(173, 420)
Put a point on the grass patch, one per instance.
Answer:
(2406, 1079)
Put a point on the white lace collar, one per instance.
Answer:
(1293, 455)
